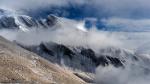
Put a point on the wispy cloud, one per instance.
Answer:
(124, 24)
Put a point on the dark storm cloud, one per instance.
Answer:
(99, 8)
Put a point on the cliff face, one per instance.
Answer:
(77, 58)
(56, 61)
(24, 22)
(18, 65)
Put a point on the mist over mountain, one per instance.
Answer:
(93, 41)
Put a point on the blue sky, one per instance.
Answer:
(126, 24)
(75, 9)
(131, 16)
(126, 11)
(137, 9)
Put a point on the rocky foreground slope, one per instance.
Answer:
(18, 65)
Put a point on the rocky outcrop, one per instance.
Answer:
(7, 22)
(81, 58)
(26, 22)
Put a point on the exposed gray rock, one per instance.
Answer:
(26, 22)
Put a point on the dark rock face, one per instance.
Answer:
(65, 50)
(115, 61)
(7, 22)
(54, 49)
(10, 22)
(101, 61)
(89, 53)
(29, 22)
(51, 20)
(42, 23)
(106, 60)
(77, 58)
(46, 50)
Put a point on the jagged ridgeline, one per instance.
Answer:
(81, 62)
(24, 22)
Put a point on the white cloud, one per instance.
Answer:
(35, 4)
(131, 74)
(123, 8)
(118, 8)
(72, 32)
(68, 32)
(124, 24)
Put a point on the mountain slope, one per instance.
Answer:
(24, 22)
(20, 66)
(55, 40)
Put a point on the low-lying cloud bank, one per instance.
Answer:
(67, 36)
(131, 74)
(127, 33)
(128, 25)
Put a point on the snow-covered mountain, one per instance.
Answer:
(86, 61)
(82, 60)
(24, 22)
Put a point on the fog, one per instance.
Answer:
(131, 74)
(127, 34)
(128, 27)
(73, 35)
(68, 36)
